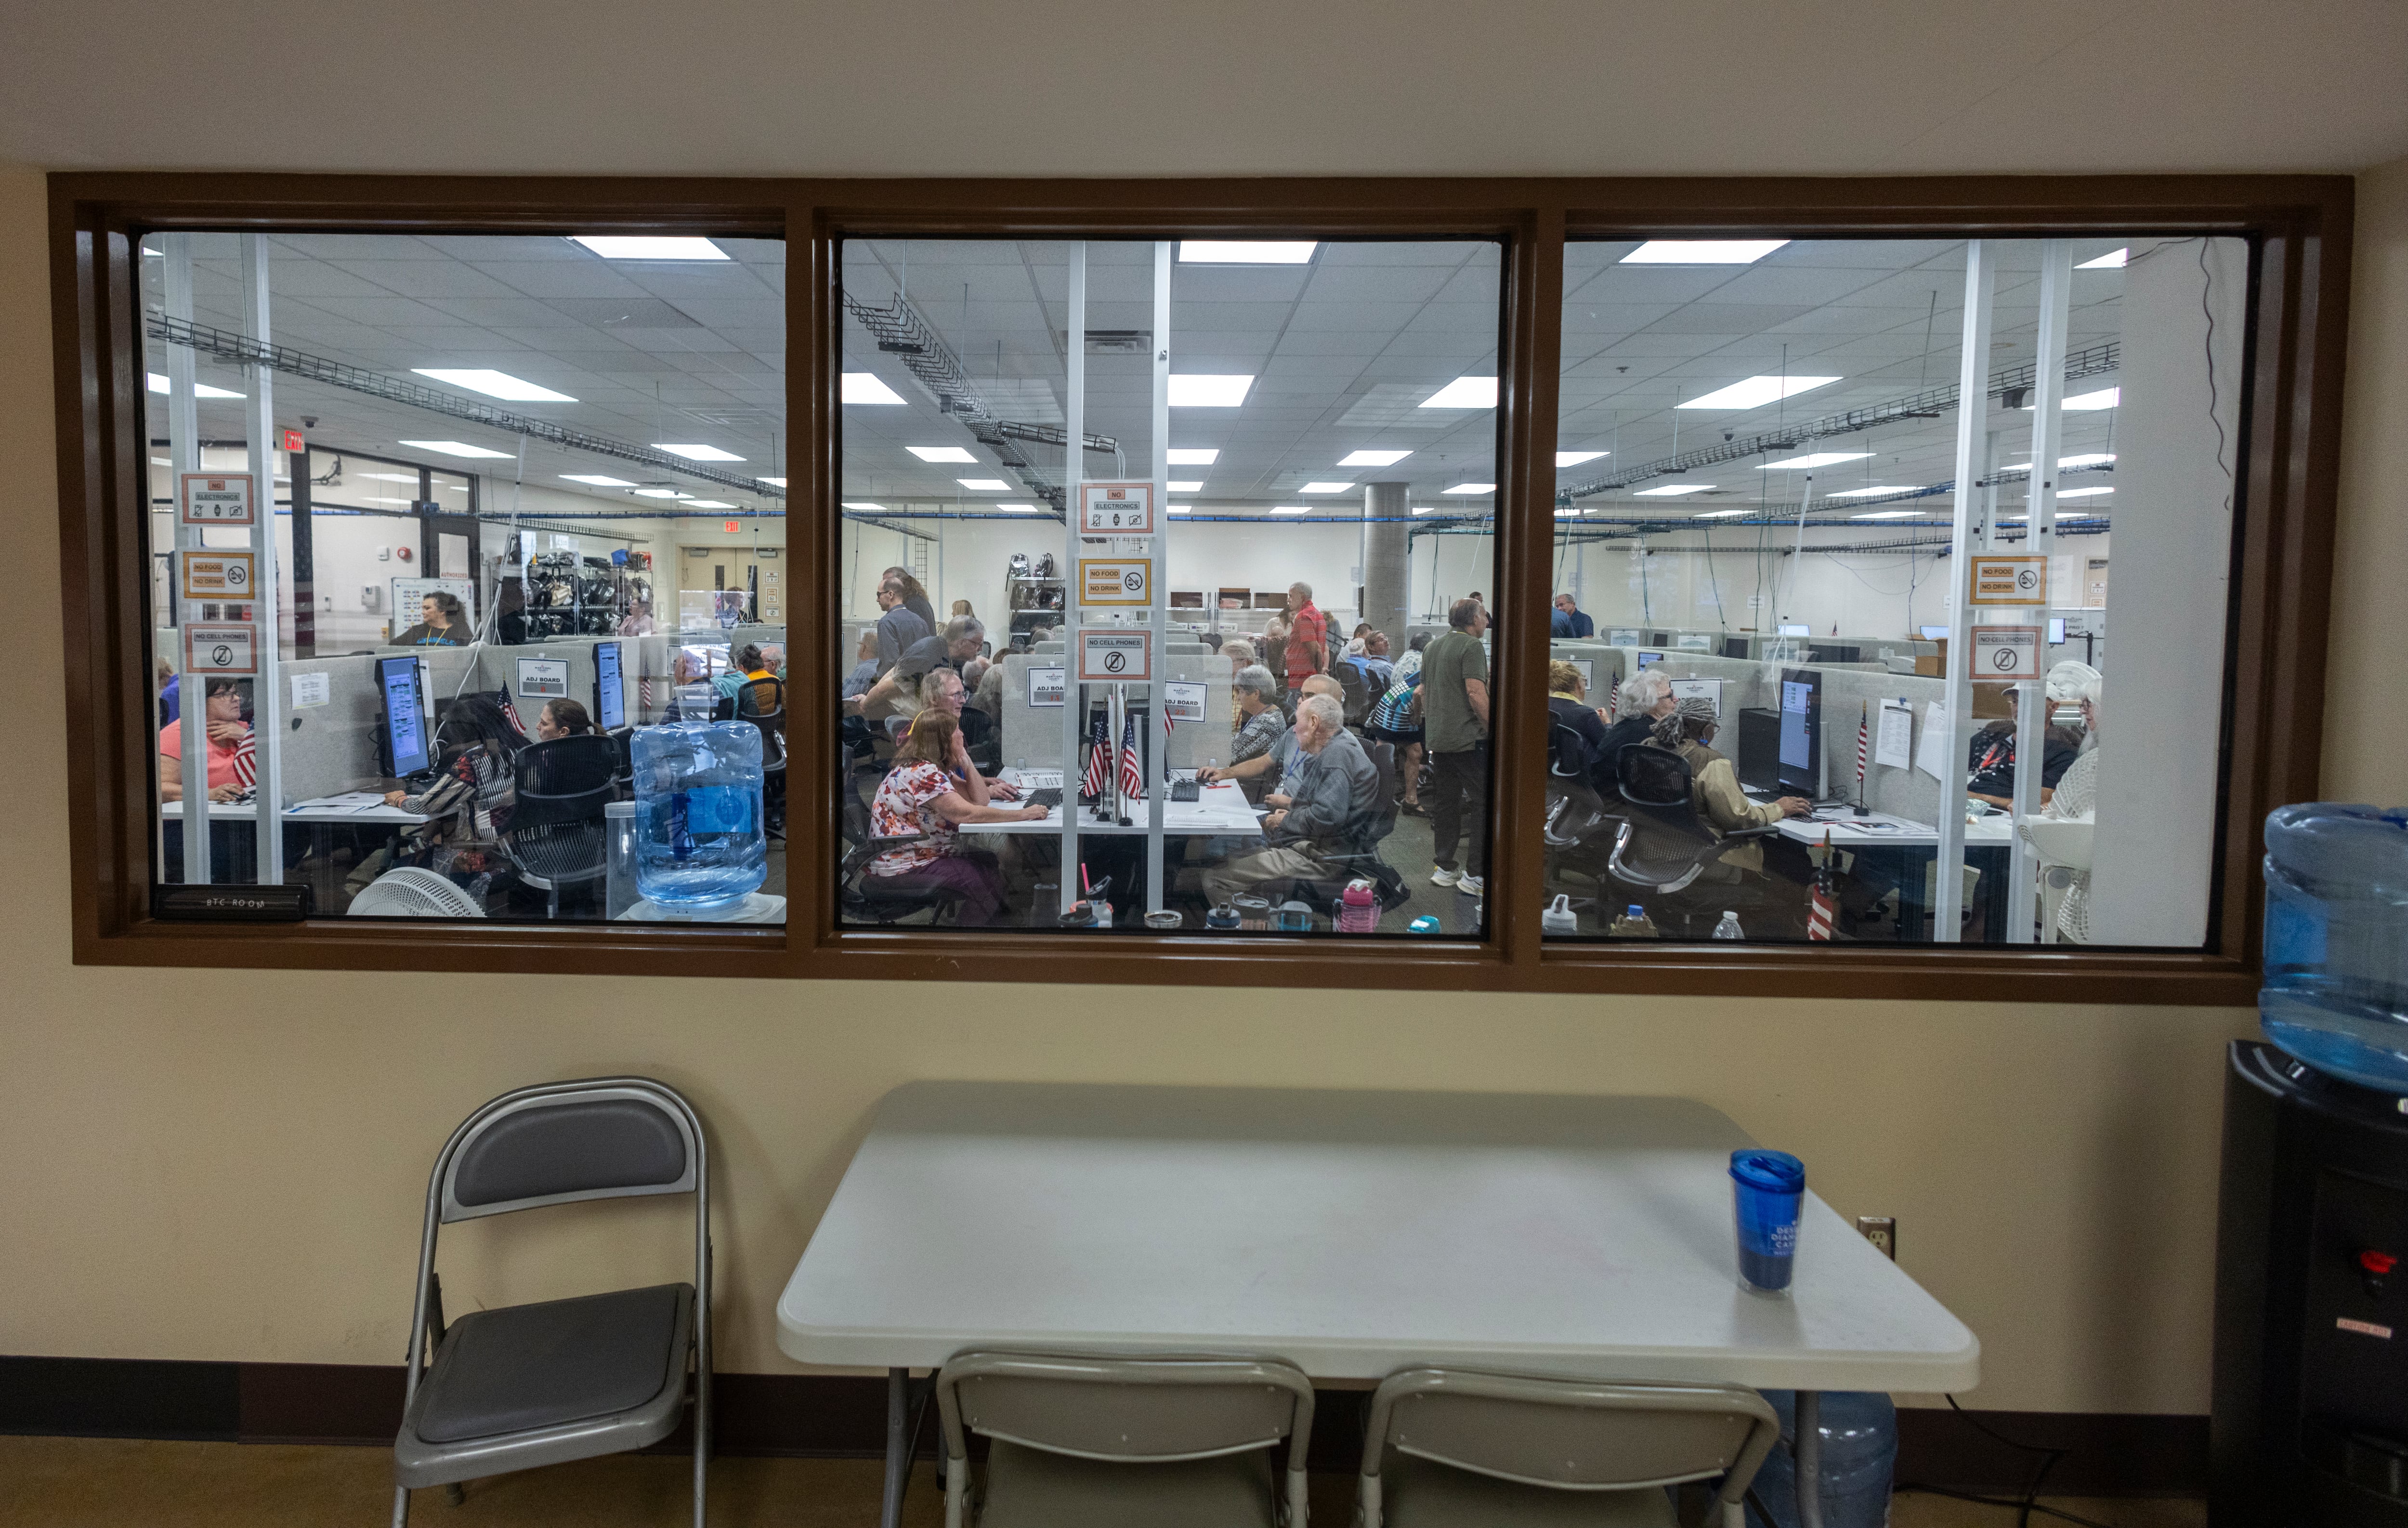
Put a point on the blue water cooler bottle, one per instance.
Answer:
(700, 843)
(1860, 1436)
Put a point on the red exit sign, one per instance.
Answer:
(730, 526)
(290, 441)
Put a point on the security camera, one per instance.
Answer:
(1727, 434)
(308, 422)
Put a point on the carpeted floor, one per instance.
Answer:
(115, 1482)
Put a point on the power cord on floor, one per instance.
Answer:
(2024, 1505)
(2030, 1501)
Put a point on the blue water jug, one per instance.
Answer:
(2336, 992)
(700, 839)
(1859, 1431)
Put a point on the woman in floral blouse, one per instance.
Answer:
(931, 791)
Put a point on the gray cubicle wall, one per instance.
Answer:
(1034, 733)
(498, 666)
(332, 748)
(1605, 665)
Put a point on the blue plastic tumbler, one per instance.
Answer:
(1767, 1189)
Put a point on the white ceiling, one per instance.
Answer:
(977, 87)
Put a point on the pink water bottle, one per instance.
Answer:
(1358, 909)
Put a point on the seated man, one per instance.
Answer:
(896, 694)
(1379, 671)
(1336, 798)
(1277, 770)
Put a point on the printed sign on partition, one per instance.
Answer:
(546, 677)
(222, 648)
(1117, 509)
(1115, 580)
(219, 499)
(1044, 687)
(1183, 702)
(2009, 581)
(218, 575)
(2006, 652)
(1708, 691)
(1111, 654)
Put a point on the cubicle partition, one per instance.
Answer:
(1034, 733)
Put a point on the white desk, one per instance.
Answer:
(331, 816)
(1351, 1234)
(1906, 833)
(1220, 808)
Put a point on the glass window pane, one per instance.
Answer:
(1326, 495)
(464, 698)
(1766, 639)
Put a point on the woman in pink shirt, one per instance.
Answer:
(228, 732)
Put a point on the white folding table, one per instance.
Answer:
(1220, 808)
(1351, 1233)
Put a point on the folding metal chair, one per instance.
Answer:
(1102, 1442)
(561, 1379)
(1456, 1449)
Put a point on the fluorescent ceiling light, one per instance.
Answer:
(857, 504)
(1204, 390)
(1464, 392)
(2081, 493)
(1876, 490)
(985, 486)
(867, 387)
(1187, 485)
(596, 480)
(456, 448)
(660, 493)
(1757, 392)
(1244, 251)
(200, 390)
(1672, 490)
(709, 504)
(1425, 509)
(1019, 509)
(1888, 514)
(1569, 514)
(2095, 458)
(410, 478)
(1181, 509)
(2111, 260)
(375, 500)
(1195, 455)
(1573, 458)
(940, 454)
(494, 384)
(1816, 458)
(1717, 514)
(2106, 397)
(775, 482)
(160, 461)
(1292, 509)
(649, 247)
(1702, 251)
(1373, 459)
(696, 453)
(1471, 489)
(1320, 488)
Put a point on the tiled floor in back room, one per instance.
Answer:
(118, 1483)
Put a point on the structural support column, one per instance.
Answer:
(268, 684)
(1387, 545)
(2040, 539)
(1157, 747)
(1973, 417)
(184, 455)
(1074, 432)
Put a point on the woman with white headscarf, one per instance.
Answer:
(2077, 793)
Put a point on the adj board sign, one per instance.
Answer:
(1117, 509)
(1111, 653)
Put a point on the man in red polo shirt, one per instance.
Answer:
(1308, 637)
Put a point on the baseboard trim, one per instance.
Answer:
(841, 1416)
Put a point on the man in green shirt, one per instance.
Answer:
(1454, 721)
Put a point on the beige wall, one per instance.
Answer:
(228, 1166)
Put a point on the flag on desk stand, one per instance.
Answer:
(1823, 908)
(1132, 774)
(1099, 756)
(1864, 747)
(246, 761)
(511, 713)
(644, 696)
(1614, 700)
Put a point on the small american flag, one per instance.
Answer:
(1864, 747)
(1099, 753)
(1132, 775)
(1613, 699)
(644, 696)
(510, 712)
(1823, 908)
(246, 761)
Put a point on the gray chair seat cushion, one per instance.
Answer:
(562, 1360)
(1421, 1493)
(1030, 1488)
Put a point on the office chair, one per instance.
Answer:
(885, 900)
(1361, 859)
(1663, 848)
(1077, 1442)
(1355, 696)
(562, 1379)
(763, 702)
(1579, 830)
(1456, 1449)
(555, 834)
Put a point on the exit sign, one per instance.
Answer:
(290, 441)
(730, 525)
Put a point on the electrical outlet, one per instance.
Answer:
(1882, 1231)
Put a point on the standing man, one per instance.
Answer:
(1308, 637)
(1570, 620)
(899, 628)
(1454, 720)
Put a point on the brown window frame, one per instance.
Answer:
(2298, 228)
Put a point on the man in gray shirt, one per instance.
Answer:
(1336, 801)
(1454, 713)
(898, 628)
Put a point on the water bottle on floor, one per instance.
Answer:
(1859, 1434)
(1358, 908)
(1632, 924)
(700, 838)
(2336, 992)
(1728, 927)
(1558, 917)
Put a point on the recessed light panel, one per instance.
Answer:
(1876, 491)
(660, 493)
(2095, 458)
(1244, 251)
(940, 454)
(1204, 390)
(1292, 509)
(1325, 488)
(1471, 489)
(494, 384)
(1186, 485)
(775, 482)
(1181, 509)
(2111, 260)
(859, 504)
(159, 384)
(595, 479)
(1672, 490)
(1890, 515)
(1573, 458)
(1717, 514)
(985, 486)
(707, 504)
(1195, 455)
(2081, 493)
(1373, 459)
(457, 448)
(1019, 509)
(867, 387)
(1702, 251)
(2106, 397)
(1757, 392)
(694, 453)
(651, 247)
(1813, 459)
(1464, 392)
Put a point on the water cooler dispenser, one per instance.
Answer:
(2310, 1424)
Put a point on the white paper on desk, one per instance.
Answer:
(1895, 742)
(349, 800)
(1931, 753)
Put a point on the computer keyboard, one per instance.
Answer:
(1185, 790)
(1047, 798)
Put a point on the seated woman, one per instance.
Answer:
(561, 719)
(1567, 704)
(1688, 730)
(228, 735)
(467, 802)
(441, 623)
(749, 664)
(931, 791)
(2076, 796)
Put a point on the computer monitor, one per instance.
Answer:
(609, 692)
(1932, 633)
(1649, 661)
(1802, 732)
(2057, 631)
(1796, 631)
(402, 742)
(1734, 647)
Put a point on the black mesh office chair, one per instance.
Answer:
(887, 899)
(561, 1379)
(1665, 850)
(1579, 830)
(1355, 696)
(555, 834)
(763, 702)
